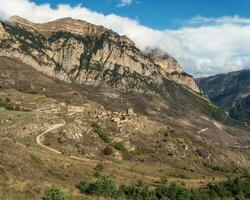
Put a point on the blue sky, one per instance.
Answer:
(205, 36)
(164, 14)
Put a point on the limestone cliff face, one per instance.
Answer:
(170, 68)
(76, 51)
(3, 33)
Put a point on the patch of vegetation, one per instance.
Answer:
(7, 104)
(119, 146)
(221, 168)
(3, 103)
(103, 186)
(237, 188)
(36, 159)
(104, 136)
(137, 192)
(53, 193)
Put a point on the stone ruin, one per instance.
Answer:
(117, 117)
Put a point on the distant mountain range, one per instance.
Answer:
(230, 91)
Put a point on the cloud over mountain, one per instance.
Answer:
(203, 46)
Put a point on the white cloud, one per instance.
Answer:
(215, 49)
(204, 46)
(123, 3)
(199, 20)
(3, 15)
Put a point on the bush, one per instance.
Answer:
(107, 151)
(137, 192)
(119, 146)
(102, 187)
(53, 194)
(102, 134)
(5, 104)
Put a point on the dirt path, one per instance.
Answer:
(40, 137)
(202, 130)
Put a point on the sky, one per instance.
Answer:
(206, 36)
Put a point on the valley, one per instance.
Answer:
(85, 104)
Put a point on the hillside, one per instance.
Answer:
(80, 102)
(230, 91)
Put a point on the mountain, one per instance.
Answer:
(81, 53)
(170, 68)
(79, 101)
(76, 51)
(230, 91)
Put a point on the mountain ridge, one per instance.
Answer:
(230, 91)
(106, 51)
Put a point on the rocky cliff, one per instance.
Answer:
(171, 69)
(80, 52)
(230, 91)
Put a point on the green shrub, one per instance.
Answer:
(102, 134)
(83, 186)
(3, 104)
(119, 146)
(137, 192)
(53, 193)
(103, 186)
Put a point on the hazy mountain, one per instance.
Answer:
(230, 91)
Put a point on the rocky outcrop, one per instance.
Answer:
(168, 64)
(171, 69)
(76, 51)
(3, 33)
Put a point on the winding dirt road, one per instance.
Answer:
(40, 137)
